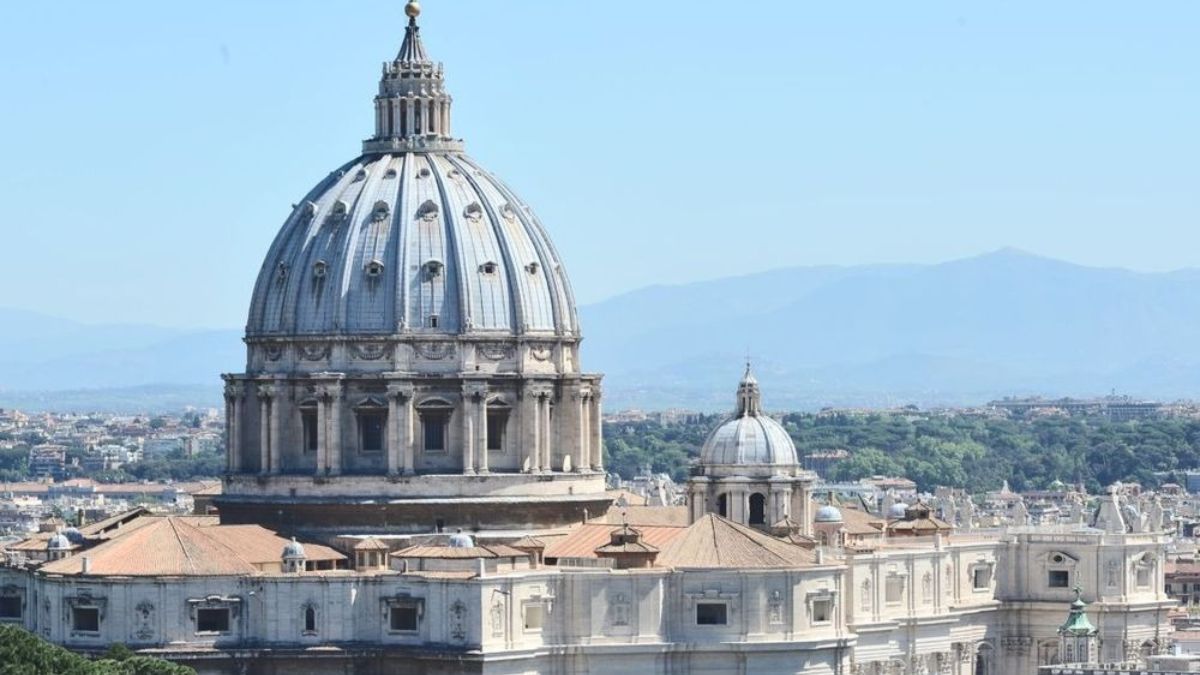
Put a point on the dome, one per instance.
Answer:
(73, 535)
(413, 236)
(750, 438)
(293, 549)
(58, 542)
(461, 540)
(898, 510)
(828, 514)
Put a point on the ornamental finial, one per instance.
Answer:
(413, 10)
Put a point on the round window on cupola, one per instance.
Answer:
(374, 269)
(320, 269)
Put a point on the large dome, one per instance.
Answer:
(750, 438)
(426, 242)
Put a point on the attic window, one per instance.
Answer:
(532, 268)
(488, 268)
(320, 269)
(381, 212)
(374, 269)
(433, 321)
(712, 614)
(1058, 579)
(433, 269)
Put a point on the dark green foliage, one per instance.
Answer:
(966, 450)
(22, 653)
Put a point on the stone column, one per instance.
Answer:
(547, 434)
(481, 435)
(335, 430)
(233, 413)
(467, 410)
(266, 393)
(279, 412)
(410, 109)
(322, 431)
(698, 501)
(400, 425)
(531, 415)
(595, 426)
(582, 458)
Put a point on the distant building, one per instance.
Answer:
(48, 461)
(1116, 408)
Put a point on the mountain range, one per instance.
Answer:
(961, 332)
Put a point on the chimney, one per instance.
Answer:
(87, 565)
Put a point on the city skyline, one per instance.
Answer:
(896, 136)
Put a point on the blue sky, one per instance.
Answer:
(152, 149)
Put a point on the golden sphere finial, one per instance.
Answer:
(413, 9)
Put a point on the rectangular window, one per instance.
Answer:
(894, 590)
(10, 608)
(434, 429)
(372, 431)
(496, 422)
(405, 618)
(981, 578)
(212, 620)
(822, 610)
(308, 419)
(85, 619)
(712, 614)
(1058, 579)
(535, 617)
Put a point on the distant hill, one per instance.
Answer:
(954, 333)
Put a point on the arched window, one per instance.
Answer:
(758, 509)
(310, 619)
(723, 505)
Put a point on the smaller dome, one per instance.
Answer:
(293, 549)
(898, 510)
(829, 514)
(749, 438)
(73, 535)
(461, 540)
(59, 542)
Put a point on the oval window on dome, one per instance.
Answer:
(338, 213)
(433, 269)
(281, 272)
(381, 211)
(489, 268)
(533, 268)
(428, 211)
(320, 269)
(474, 212)
(375, 269)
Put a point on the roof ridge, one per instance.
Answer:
(182, 547)
(747, 533)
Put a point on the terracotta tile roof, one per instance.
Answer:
(630, 498)
(584, 540)
(182, 546)
(371, 544)
(529, 541)
(860, 522)
(453, 553)
(638, 516)
(713, 541)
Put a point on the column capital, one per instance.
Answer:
(475, 390)
(401, 392)
(329, 391)
(266, 392)
(235, 390)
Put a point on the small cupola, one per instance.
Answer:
(627, 550)
(294, 558)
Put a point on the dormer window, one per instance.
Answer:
(320, 269)
(374, 269)
(489, 268)
(281, 272)
(338, 213)
(532, 268)
(381, 212)
(474, 212)
(428, 211)
(433, 269)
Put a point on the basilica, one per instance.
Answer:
(416, 484)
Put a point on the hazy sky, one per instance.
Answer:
(149, 150)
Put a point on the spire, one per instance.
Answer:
(412, 50)
(749, 398)
(412, 109)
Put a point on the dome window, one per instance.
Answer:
(489, 268)
(428, 212)
(374, 269)
(474, 212)
(433, 269)
(391, 174)
(320, 269)
(360, 176)
(307, 210)
(381, 212)
(423, 173)
(533, 268)
(338, 213)
(281, 272)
